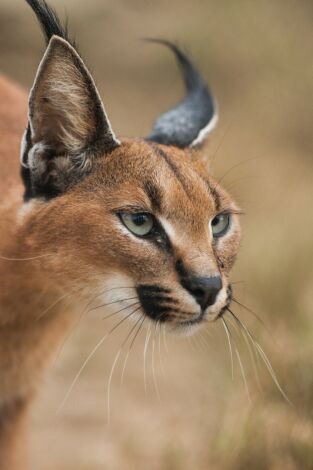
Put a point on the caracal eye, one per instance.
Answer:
(140, 223)
(220, 225)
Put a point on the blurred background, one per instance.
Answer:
(257, 57)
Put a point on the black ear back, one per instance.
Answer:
(188, 123)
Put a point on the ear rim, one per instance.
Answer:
(102, 143)
(105, 133)
(205, 131)
(198, 108)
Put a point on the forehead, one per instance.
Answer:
(174, 185)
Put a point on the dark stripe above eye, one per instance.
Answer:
(159, 151)
(154, 195)
(216, 197)
(214, 193)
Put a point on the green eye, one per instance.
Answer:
(220, 225)
(140, 223)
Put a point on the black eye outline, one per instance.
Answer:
(226, 228)
(143, 214)
(157, 234)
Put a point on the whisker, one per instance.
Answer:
(203, 342)
(255, 315)
(112, 303)
(160, 354)
(148, 334)
(236, 166)
(238, 180)
(226, 131)
(252, 352)
(64, 296)
(121, 310)
(109, 384)
(240, 364)
(105, 291)
(115, 362)
(153, 367)
(130, 347)
(67, 337)
(243, 373)
(5, 258)
(272, 372)
(90, 355)
(228, 335)
(253, 357)
(164, 339)
(262, 355)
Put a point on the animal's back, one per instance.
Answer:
(13, 116)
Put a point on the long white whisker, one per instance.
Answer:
(153, 368)
(113, 302)
(5, 258)
(115, 362)
(243, 373)
(252, 352)
(145, 356)
(90, 355)
(272, 372)
(263, 356)
(160, 354)
(109, 384)
(130, 347)
(64, 296)
(121, 310)
(228, 335)
(164, 339)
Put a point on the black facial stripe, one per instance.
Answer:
(171, 165)
(158, 298)
(180, 268)
(157, 235)
(153, 288)
(154, 195)
(214, 193)
(152, 299)
(216, 197)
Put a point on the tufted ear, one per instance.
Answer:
(67, 126)
(188, 123)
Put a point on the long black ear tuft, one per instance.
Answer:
(67, 124)
(189, 122)
(49, 21)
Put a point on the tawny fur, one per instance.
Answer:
(57, 255)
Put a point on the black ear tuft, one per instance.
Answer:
(49, 21)
(67, 127)
(188, 123)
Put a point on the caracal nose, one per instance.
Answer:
(204, 289)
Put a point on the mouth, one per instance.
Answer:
(156, 302)
(159, 305)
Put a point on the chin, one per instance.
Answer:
(185, 328)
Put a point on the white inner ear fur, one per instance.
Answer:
(64, 99)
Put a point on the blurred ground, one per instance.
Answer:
(257, 57)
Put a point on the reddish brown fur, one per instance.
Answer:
(77, 243)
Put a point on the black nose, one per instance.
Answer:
(204, 289)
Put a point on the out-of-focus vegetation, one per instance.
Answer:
(257, 57)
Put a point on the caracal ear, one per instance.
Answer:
(68, 127)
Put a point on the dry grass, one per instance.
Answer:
(258, 57)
